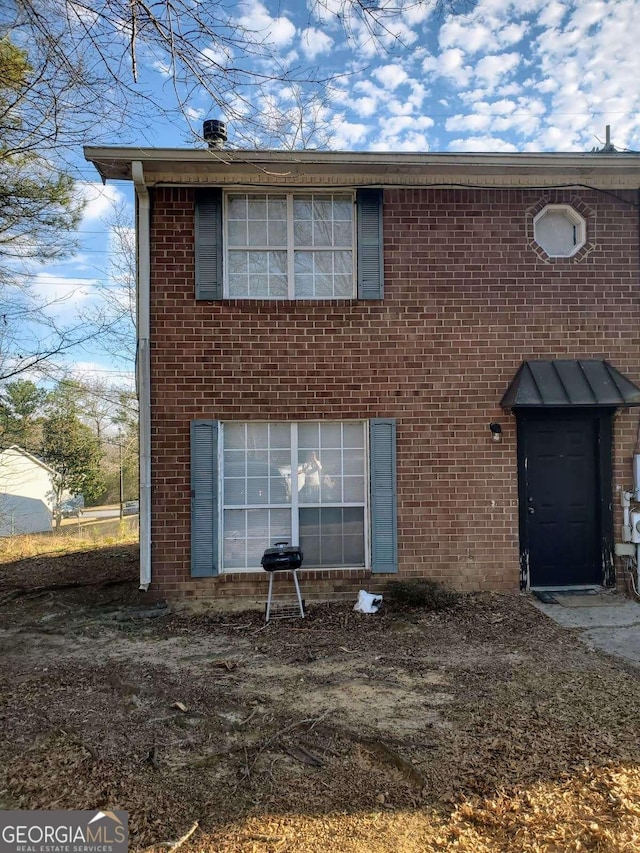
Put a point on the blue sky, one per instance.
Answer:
(502, 76)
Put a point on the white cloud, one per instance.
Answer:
(552, 14)
(364, 107)
(472, 122)
(482, 143)
(59, 291)
(449, 64)
(100, 200)
(471, 36)
(315, 42)
(491, 69)
(511, 34)
(256, 20)
(347, 135)
(391, 76)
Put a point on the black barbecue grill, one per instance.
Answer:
(282, 558)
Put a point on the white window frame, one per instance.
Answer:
(290, 248)
(294, 506)
(579, 225)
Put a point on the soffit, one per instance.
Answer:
(568, 382)
(183, 166)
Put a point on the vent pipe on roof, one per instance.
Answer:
(214, 133)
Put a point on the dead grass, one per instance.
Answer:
(70, 539)
(486, 729)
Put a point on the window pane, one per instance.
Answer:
(258, 262)
(237, 233)
(277, 232)
(342, 263)
(309, 436)
(247, 533)
(238, 262)
(332, 536)
(342, 287)
(238, 286)
(257, 490)
(324, 262)
(280, 435)
(331, 489)
(234, 436)
(257, 234)
(322, 234)
(234, 463)
(301, 208)
(354, 461)
(323, 287)
(342, 234)
(277, 207)
(257, 207)
(234, 491)
(353, 435)
(258, 286)
(277, 263)
(304, 287)
(327, 284)
(303, 263)
(237, 207)
(302, 233)
(278, 288)
(331, 435)
(343, 210)
(234, 547)
(353, 490)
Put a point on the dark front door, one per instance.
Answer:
(565, 500)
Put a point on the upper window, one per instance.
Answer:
(289, 246)
(559, 230)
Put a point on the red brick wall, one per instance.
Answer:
(467, 298)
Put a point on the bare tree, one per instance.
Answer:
(105, 56)
(112, 312)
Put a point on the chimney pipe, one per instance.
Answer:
(214, 133)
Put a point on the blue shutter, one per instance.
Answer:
(384, 523)
(208, 244)
(204, 499)
(370, 249)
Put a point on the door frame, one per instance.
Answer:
(603, 417)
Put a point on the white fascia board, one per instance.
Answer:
(183, 166)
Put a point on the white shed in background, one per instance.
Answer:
(25, 493)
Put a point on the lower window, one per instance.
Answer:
(301, 483)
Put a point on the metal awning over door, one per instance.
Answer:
(569, 382)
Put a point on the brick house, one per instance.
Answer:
(413, 365)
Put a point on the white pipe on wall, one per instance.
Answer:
(143, 370)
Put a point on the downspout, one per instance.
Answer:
(143, 370)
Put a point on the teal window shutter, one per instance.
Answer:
(204, 499)
(208, 244)
(370, 248)
(384, 522)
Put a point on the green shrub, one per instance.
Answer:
(422, 593)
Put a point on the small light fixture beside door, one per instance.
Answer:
(496, 431)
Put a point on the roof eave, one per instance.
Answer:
(183, 166)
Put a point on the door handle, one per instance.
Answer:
(531, 510)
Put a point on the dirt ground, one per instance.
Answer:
(483, 728)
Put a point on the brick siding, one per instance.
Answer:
(467, 298)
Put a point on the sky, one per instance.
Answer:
(493, 76)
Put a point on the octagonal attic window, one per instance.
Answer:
(559, 230)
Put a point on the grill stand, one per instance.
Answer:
(294, 572)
